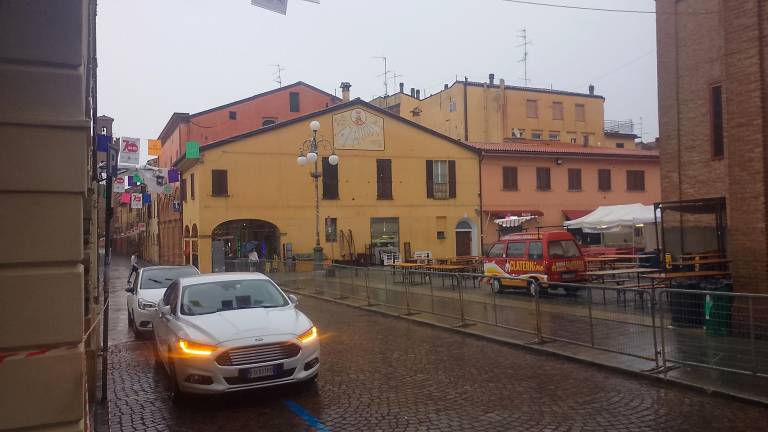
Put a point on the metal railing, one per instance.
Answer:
(670, 327)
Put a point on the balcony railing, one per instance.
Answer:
(619, 126)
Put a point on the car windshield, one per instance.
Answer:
(161, 278)
(563, 249)
(210, 297)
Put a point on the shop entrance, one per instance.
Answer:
(232, 241)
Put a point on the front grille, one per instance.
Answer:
(257, 354)
(238, 380)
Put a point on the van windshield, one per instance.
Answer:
(563, 249)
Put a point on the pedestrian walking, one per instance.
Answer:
(253, 260)
(134, 266)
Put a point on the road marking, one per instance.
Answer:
(306, 416)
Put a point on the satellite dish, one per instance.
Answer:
(517, 133)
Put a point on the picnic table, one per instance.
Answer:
(599, 262)
(700, 255)
(667, 278)
(706, 261)
(638, 271)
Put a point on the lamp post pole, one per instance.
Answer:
(312, 146)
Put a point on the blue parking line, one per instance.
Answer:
(306, 416)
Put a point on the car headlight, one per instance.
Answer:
(195, 349)
(145, 304)
(308, 335)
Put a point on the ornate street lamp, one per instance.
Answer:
(312, 148)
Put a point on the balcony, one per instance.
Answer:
(619, 126)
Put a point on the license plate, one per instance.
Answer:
(261, 371)
(568, 275)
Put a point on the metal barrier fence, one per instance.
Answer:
(670, 327)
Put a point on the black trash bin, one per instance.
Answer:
(687, 309)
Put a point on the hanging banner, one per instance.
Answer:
(137, 200)
(103, 142)
(142, 226)
(129, 151)
(137, 178)
(146, 198)
(168, 189)
(155, 179)
(173, 175)
(125, 198)
(153, 147)
(193, 150)
(279, 6)
(119, 184)
(112, 156)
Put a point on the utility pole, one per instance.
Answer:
(278, 75)
(524, 60)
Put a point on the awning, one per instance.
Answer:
(613, 218)
(513, 221)
(499, 214)
(575, 214)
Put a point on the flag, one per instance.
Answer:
(125, 198)
(153, 147)
(146, 198)
(173, 175)
(137, 178)
(131, 181)
(102, 143)
(279, 6)
(119, 184)
(129, 150)
(136, 200)
(193, 150)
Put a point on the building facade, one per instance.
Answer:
(215, 124)
(713, 82)
(46, 124)
(492, 112)
(556, 182)
(388, 193)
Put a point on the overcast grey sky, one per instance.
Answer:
(161, 56)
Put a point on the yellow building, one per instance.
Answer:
(491, 112)
(398, 186)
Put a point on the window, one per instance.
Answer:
(619, 145)
(330, 230)
(330, 180)
(294, 101)
(573, 140)
(535, 250)
(557, 110)
(509, 178)
(268, 122)
(182, 190)
(554, 136)
(515, 250)
(383, 179)
(532, 108)
(586, 140)
(441, 235)
(192, 186)
(441, 179)
(497, 251)
(543, 182)
(219, 184)
(536, 135)
(103, 130)
(716, 120)
(581, 114)
(385, 232)
(452, 105)
(563, 249)
(604, 180)
(233, 115)
(636, 180)
(574, 179)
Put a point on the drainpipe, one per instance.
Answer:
(466, 116)
(480, 175)
(503, 102)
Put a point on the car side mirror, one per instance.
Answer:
(129, 290)
(164, 310)
(293, 299)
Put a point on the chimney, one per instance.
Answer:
(445, 86)
(402, 87)
(345, 86)
(418, 94)
(413, 92)
(491, 78)
(591, 89)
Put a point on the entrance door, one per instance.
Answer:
(463, 243)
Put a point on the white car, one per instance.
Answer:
(233, 331)
(148, 287)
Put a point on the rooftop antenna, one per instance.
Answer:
(278, 75)
(395, 76)
(524, 60)
(386, 77)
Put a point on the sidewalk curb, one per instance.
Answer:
(543, 350)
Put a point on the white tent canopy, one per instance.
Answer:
(613, 218)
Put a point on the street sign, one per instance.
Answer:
(114, 155)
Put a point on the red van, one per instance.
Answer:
(552, 256)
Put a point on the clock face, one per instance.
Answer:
(358, 129)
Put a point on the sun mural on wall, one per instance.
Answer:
(358, 129)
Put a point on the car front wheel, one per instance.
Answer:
(174, 391)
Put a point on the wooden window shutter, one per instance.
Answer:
(384, 178)
(451, 179)
(430, 182)
(219, 184)
(330, 180)
(509, 178)
(182, 190)
(604, 180)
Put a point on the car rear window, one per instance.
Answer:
(211, 297)
(161, 278)
(497, 251)
(516, 250)
(563, 249)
